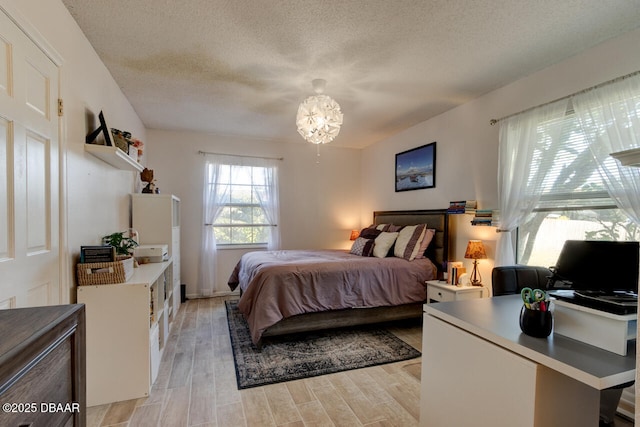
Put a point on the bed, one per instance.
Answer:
(285, 292)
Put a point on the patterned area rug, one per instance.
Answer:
(311, 354)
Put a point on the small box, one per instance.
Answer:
(151, 253)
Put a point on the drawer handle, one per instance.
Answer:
(439, 294)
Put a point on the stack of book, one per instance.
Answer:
(483, 217)
(454, 271)
(462, 206)
(89, 254)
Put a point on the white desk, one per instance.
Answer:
(479, 369)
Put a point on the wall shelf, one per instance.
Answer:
(628, 157)
(114, 156)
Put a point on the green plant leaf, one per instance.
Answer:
(124, 245)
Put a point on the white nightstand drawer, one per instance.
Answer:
(440, 295)
(438, 291)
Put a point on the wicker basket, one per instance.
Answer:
(105, 273)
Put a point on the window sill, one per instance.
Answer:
(234, 247)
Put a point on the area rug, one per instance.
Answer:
(310, 354)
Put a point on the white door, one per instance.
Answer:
(29, 172)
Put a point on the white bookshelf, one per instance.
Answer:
(127, 328)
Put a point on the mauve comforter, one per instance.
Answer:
(280, 284)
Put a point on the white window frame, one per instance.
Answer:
(231, 205)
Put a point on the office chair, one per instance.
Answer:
(512, 279)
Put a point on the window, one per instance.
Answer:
(557, 179)
(574, 204)
(242, 194)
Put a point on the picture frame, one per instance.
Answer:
(119, 140)
(104, 129)
(416, 168)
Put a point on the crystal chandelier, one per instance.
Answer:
(319, 117)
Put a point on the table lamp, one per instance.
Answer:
(475, 251)
(354, 234)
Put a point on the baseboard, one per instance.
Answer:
(215, 294)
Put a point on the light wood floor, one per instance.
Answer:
(197, 386)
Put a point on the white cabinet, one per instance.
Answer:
(126, 333)
(157, 218)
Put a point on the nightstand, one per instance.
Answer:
(439, 291)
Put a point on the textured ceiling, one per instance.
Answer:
(241, 67)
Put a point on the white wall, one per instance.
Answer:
(319, 202)
(467, 146)
(97, 195)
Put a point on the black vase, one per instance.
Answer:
(536, 323)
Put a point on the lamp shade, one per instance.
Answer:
(475, 250)
(354, 234)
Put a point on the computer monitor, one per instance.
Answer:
(598, 265)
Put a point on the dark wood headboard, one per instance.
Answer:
(437, 219)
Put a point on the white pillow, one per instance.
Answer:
(383, 243)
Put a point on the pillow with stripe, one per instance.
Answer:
(428, 237)
(369, 233)
(390, 228)
(408, 241)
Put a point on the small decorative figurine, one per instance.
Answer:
(147, 176)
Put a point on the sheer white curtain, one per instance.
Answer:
(522, 147)
(610, 119)
(269, 199)
(214, 195)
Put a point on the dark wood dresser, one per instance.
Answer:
(43, 366)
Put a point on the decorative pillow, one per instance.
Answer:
(408, 241)
(383, 243)
(363, 247)
(391, 228)
(424, 244)
(370, 233)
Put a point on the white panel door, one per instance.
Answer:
(29, 172)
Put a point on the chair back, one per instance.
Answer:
(509, 280)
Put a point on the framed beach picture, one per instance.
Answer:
(416, 168)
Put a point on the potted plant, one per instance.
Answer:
(124, 245)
